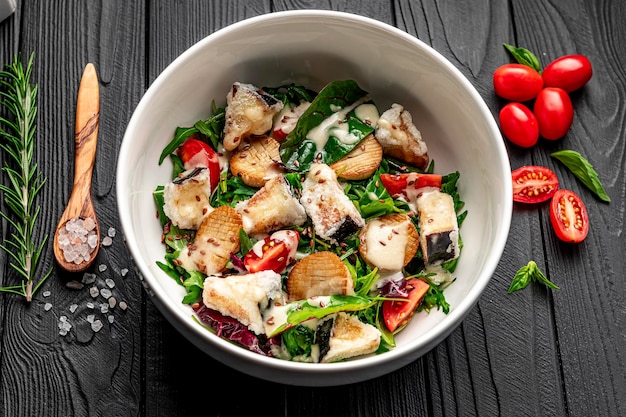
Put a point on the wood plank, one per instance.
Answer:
(83, 372)
(590, 350)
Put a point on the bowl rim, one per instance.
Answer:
(433, 336)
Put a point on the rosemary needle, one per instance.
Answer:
(17, 133)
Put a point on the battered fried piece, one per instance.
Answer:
(400, 138)
(249, 111)
(255, 162)
(216, 238)
(361, 162)
(321, 273)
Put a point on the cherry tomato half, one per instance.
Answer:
(568, 216)
(196, 153)
(398, 313)
(534, 184)
(519, 124)
(403, 184)
(276, 252)
(569, 72)
(517, 82)
(554, 112)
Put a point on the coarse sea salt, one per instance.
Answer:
(78, 239)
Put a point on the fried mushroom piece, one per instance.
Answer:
(389, 242)
(361, 162)
(216, 238)
(321, 273)
(255, 162)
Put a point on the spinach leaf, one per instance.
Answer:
(583, 170)
(299, 150)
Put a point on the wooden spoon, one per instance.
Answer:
(80, 204)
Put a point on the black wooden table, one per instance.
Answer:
(537, 352)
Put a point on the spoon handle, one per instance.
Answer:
(86, 135)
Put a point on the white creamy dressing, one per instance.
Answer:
(332, 126)
(440, 275)
(385, 277)
(368, 113)
(386, 244)
(398, 134)
(319, 301)
(186, 261)
(287, 236)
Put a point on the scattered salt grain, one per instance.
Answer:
(78, 239)
(47, 306)
(46, 293)
(73, 308)
(96, 325)
(91, 318)
(90, 305)
(93, 291)
(102, 267)
(104, 308)
(89, 278)
(111, 319)
(111, 232)
(109, 282)
(74, 285)
(64, 325)
(124, 272)
(107, 241)
(112, 302)
(106, 293)
(123, 305)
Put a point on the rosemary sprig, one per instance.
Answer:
(19, 97)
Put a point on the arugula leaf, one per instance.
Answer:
(298, 151)
(524, 56)
(527, 274)
(211, 129)
(583, 170)
(230, 190)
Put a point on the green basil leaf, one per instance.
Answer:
(298, 152)
(524, 56)
(583, 170)
(527, 274)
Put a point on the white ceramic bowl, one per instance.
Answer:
(312, 48)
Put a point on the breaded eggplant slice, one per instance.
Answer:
(389, 242)
(187, 198)
(249, 111)
(255, 162)
(342, 336)
(271, 208)
(400, 138)
(243, 297)
(439, 230)
(334, 216)
(216, 238)
(361, 162)
(318, 274)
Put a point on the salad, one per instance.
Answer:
(308, 226)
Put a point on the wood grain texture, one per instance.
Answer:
(534, 352)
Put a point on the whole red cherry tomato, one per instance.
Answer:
(519, 124)
(554, 112)
(568, 216)
(517, 82)
(533, 184)
(569, 72)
